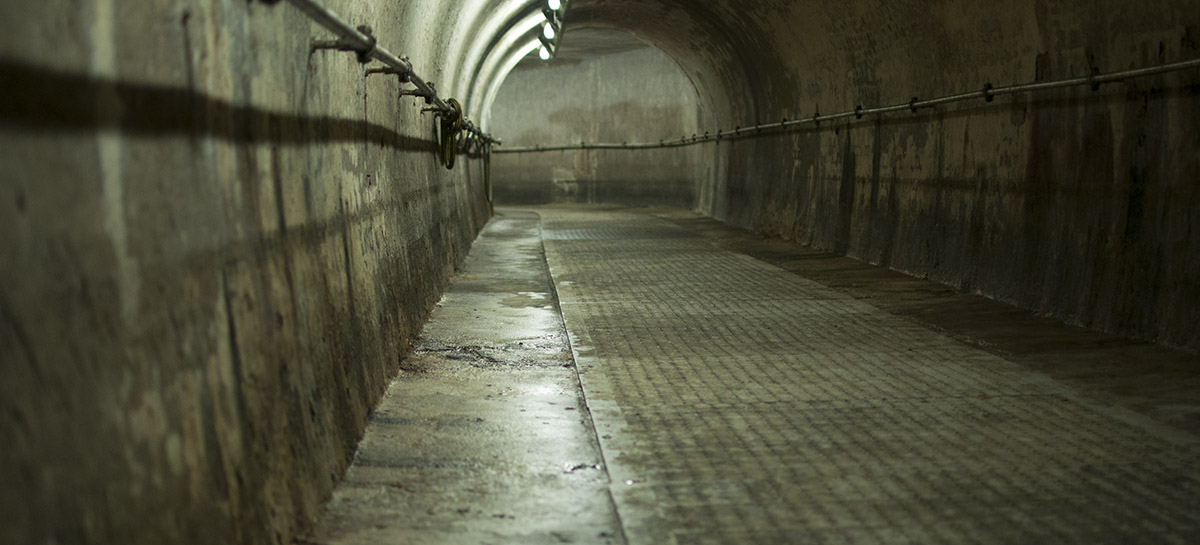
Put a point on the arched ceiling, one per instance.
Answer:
(760, 60)
(719, 45)
(576, 47)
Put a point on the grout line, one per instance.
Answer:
(579, 381)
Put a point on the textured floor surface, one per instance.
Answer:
(740, 403)
(732, 402)
(484, 436)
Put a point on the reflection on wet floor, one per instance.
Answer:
(484, 437)
(709, 397)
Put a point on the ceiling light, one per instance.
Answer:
(548, 31)
(554, 4)
(544, 53)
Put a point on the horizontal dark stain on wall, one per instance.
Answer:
(36, 98)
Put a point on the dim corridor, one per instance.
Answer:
(709, 393)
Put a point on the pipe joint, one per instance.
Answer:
(364, 54)
(351, 45)
(1092, 79)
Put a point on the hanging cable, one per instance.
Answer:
(451, 126)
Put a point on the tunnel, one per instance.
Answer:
(599, 271)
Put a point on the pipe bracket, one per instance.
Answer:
(364, 55)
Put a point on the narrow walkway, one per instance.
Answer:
(484, 436)
(733, 402)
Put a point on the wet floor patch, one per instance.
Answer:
(484, 437)
(532, 352)
(734, 401)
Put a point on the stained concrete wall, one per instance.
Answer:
(216, 246)
(636, 94)
(216, 242)
(1079, 204)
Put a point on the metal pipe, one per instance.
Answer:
(368, 49)
(987, 92)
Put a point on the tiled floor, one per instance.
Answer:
(732, 401)
(484, 437)
(739, 403)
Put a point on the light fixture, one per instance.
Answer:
(551, 29)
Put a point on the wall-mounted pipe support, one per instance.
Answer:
(363, 43)
(988, 93)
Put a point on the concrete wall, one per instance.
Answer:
(216, 246)
(1080, 204)
(633, 95)
(216, 242)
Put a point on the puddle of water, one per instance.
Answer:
(529, 299)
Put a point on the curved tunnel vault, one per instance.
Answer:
(1055, 201)
(217, 241)
(598, 75)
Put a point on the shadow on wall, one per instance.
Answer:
(201, 297)
(1077, 203)
(33, 97)
(605, 86)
